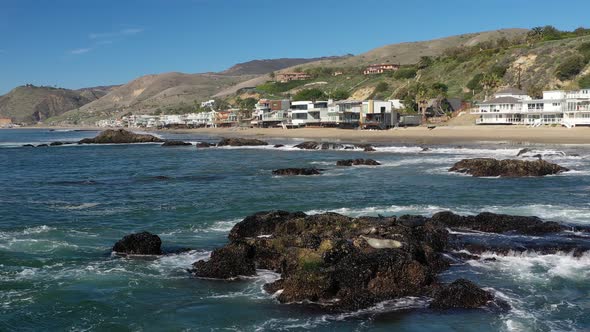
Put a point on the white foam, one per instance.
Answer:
(532, 267)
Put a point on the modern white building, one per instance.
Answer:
(513, 107)
(307, 113)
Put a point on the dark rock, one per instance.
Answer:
(176, 143)
(498, 223)
(369, 149)
(241, 142)
(228, 262)
(461, 294)
(143, 243)
(312, 145)
(425, 149)
(120, 136)
(356, 162)
(28, 146)
(42, 145)
(296, 171)
(523, 151)
(262, 223)
(506, 168)
(56, 143)
(278, 145)
(204, 145)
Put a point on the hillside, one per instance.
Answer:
(411, 52)
(455, 66)
(261, 67)
(152, 93)
(31, 104)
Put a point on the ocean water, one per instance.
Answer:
(62, 208)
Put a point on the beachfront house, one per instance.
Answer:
(380, 68)
(513, 107)
(270, 113)
(307, 113)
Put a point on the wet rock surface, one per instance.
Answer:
(241, 142)
(357, 162)
(120, 136)
(201, 145)
(175, 143)
(143, 243)
(461, 293)
(296, 171)
(313, 145)
(506, 168)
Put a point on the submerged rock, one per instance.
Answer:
(506, 168)
(296, 171)
(143, 243)
(204, 145)
(461, 293)
(176, 143)
(28, 146)
(120, 136)
(276, 146)
(241, 142)
(356, 162)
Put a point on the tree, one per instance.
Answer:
(309, 94)
(381, 87)
(489, 82)
(272, 75)
(439, 89)
(425, 62)
(405, 73)
(534, 35)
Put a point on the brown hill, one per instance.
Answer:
(31, 104)
(261, 67)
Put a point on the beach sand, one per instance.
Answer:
(420, 135)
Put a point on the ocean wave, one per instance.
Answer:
(559, 213)
(400, 304)
(533, 267)
(255, 288)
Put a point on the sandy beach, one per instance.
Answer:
(420, 135)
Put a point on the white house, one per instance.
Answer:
(303, 113)
(511, 106)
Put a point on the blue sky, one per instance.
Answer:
(80, 43)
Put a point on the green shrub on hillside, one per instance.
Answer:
(278, 87)
(405, 73)
(584, 82)
(585, 50)
(340, 94)
(309, 94)
(570, 67)
(475, 82)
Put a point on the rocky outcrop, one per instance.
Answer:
(276, 146)
(176, 143)
(296, 171)
(498, 223)
(356, 162)
(241, 142)
(330, 256)
(228, 262)
(313, 145)
(346, 263)
(506, 168)
(204, 145)
(143, 243)
(461, 293)
(120, 136)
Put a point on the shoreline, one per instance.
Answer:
(414, 135)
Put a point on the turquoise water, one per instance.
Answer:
(62, 209)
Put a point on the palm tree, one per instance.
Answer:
(490, 81)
